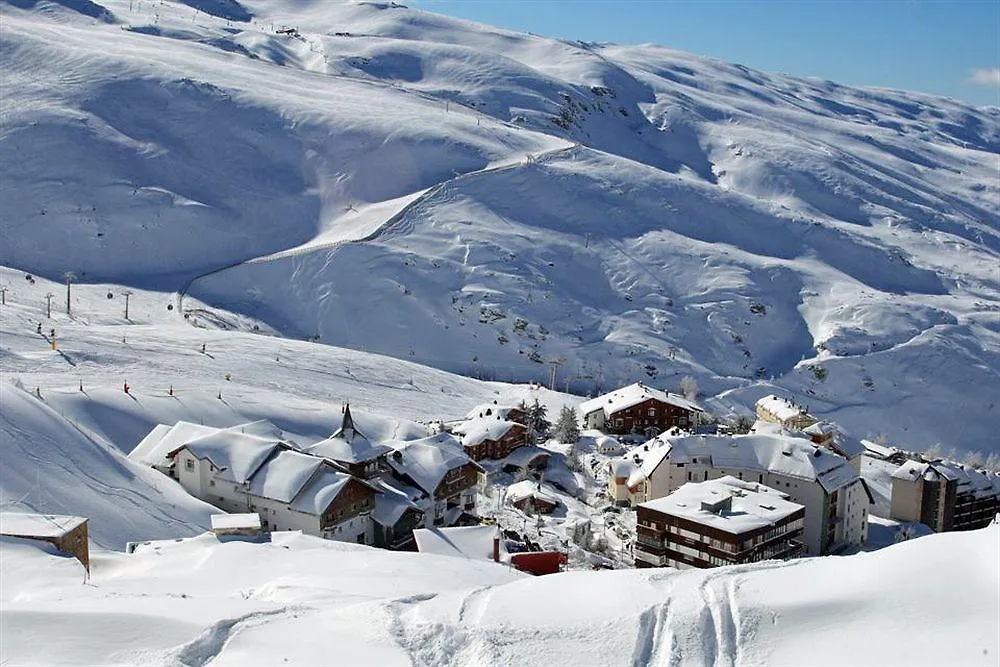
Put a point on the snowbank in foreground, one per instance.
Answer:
(299, 600)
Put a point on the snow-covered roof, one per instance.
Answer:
(881, 451)
(236, 455)
(283, 475)
(527, 489)
(522, 456)
(391, 504)
(248, 520)
(321, 490)
(154, 449)
(606, 444)
(17, 524)
(787, 455)
(780, 407)
(358, 450)
(348, 444)
(472, 542)
(752, 505)
(428, 460)
(477, 431)
(911, 471)
(622, 467)
(634, 394)
(491, 411)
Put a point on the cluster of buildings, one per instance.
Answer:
(345, 487)
(791, 486)
(341, 488)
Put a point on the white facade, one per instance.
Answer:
(200, 478)
(836, 514)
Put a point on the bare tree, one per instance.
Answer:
(689, 387)
(974, 460)
(933, 452)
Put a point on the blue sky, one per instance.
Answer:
(946, 48)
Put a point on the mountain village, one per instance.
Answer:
(345, 332)
(675, 486)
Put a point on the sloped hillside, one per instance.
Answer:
(495, 204)
(52, 467)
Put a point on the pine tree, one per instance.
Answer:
(537, 422)
(567, 427)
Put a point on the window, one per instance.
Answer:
(211, 482)
(189, 464)
(361, 538)
(651, 412)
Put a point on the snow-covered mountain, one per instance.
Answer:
(491, 203)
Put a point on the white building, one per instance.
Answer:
(835, 498)
(296, 491)
(251, 468)
(780, 410)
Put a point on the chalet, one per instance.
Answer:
(778, 410)
(835, 498)
(217, 467)
(608, 446)
(528, 496)
(68, 534)
(236, 525)
(511, 413)
(828, 436)
(155, 449)
(638, 408)
(296, 491)
(491, 438)
(253, 468)
(351, 449)
(441, 472)
(725, 521)
(944, 495)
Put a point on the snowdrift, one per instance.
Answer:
(303, 601)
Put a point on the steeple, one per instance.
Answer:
(346, 430)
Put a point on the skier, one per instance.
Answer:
(39, 329)
(125, 387)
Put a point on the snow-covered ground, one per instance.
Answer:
(494, 204)
(303, 601)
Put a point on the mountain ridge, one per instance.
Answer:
(753, 230)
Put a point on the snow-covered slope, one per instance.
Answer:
(304, 601)
(48, 465)
(489, 203)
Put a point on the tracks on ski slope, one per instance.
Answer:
(392, 223)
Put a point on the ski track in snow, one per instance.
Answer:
(201, 651)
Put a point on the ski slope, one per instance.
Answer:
(494, 204)
(303, 601)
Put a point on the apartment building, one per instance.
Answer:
(724, 521)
